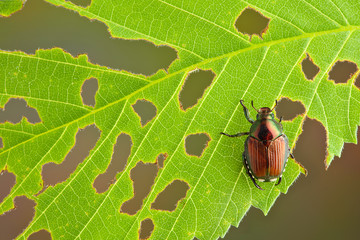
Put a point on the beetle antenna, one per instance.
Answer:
(275, 105)
(252, 104)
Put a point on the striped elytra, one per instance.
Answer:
(266, 159)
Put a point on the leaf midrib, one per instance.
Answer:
(191, 67)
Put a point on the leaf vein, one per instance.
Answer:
(77, 173)
(206, 20)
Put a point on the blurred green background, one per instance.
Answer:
(322, 205)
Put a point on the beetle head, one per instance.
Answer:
(264, 112)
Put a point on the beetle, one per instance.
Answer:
(266, 147)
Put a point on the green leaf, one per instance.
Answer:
(8, 7)
(204, 35)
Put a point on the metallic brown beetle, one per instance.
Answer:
(266, 148)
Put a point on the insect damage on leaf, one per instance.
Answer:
(167, 200)
(195, 144)
(40, 235)
(203, 39)
(146, 228)
(146, 111)
(342, 71)
(317, 141)
(289, 109)
(195, 84)
(121, 153)
(16, 220)
(143, 176)
(81, 3)
(161, 159)
(86, 139)
(252, 22)
(309, 68)
(1, 143)
(357, 81)
(114, 52)
(88, 91)
(7, 182)
(16, 109)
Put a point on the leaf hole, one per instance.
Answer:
(86, 139)
(16, 220)
(252, 22)
(195, 84)
(312, 137)
(146, 228)
(167, 200)
(195, 144)
(309, 68)
(357, 81)
(88, 91)
(7, 182)
(16, 109)
(161, 159)
(40, 235)
(342, 71)
(121, 153)
(146, 111)
(143, 176)
(289, 109)
(81, 3)
(51, 26)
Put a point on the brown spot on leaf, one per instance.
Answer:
(86, 139)
(342, 71)
(194, 87)
(88, 91)
(146, 228)
(7, 182)
(16, 220)
(289, 109)
(40, 235)
(15, 109)
(122, 151)
(145, 109)
(195, 144)
(168, 199)
(309, 68)
(252, 22)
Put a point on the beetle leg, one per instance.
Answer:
(278, 181)
(248, 172)
(246, 112)
(280, 119)
(291, 155)
(236, 135)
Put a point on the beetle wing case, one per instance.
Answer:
(267, 159)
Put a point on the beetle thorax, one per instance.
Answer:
(265, 130)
